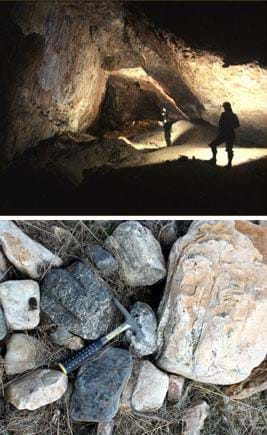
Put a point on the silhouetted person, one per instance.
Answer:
(227, 125)
(167, 125)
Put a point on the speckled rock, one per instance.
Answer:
(212, 318)
(21, 303)
(194, 418)
(3, 328)
(102, 259)
(147, 321)
(63, 337)
(78, 300)
(139, 254)
(151, 388)
(176, 385)
(37, 389)
(23, 353)
(99, 385)
(28, 256)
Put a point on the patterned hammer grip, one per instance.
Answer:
(81, 356)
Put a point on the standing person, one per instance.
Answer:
(227, 125)
(167, 125)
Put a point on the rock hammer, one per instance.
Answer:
(91, 349)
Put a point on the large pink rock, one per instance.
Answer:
(212, 319)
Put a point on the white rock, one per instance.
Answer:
(195, 417)
(105, 428)
(176, 385)
(151, 388)
(63, 337)
(23, 353)
(37, 389)
(25, 254)
(139, 254)
(212, 318)
(21, 303)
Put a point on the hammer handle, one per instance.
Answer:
(81, 356)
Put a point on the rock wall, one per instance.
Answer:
(67, 52)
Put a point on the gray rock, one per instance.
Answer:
(3, 267)
(102, 259)
(99, 385)
(139, 254)
(105, 428)
(63, 337)
(79, 300)
(3, 328)
(147, 321)
(168, 235)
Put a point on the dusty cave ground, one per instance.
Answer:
(225, 417)
(119, 173)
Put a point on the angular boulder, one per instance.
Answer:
(28, 256)
(78, 300)
(37, 389)
(21, 303)
(194, 418)
(99, 385)
(139, 254)
(212, 318)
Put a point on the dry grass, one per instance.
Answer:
(68, 239)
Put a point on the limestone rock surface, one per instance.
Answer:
(147, 322)
(151, 388)
(139, 254)
(78, 300)
(21, 303)
(28, 256)
(23, 353)
(257, 234)
(60, 87)
(37, 389)
(99, 385)
(255, 383)
(212, 321)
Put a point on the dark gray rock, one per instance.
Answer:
(79, 300)
(147, 321)
(102, 259)
(99, 385)
(3, 327)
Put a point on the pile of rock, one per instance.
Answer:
(210, 326)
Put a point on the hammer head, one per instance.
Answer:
(129, 320)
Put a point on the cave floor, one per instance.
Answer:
(176, 186)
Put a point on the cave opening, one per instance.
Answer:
(77, 113)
